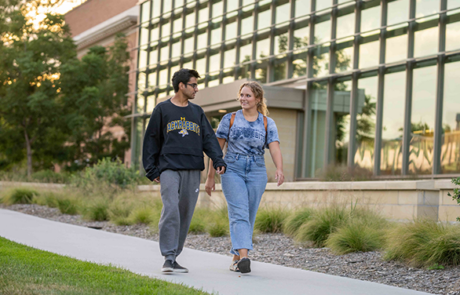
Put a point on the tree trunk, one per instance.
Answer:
(29, 154)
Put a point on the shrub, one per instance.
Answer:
(67, 206)
(424, 243)
(326, 221)
(112, 173)
(355, 236)
(21, 196)
(217, 229)
(50, 177)
(96, 210)
(456, 195)
(270, 220)
(119, 211)
(143, 215)
(295, 220)
(48, 199)
(197, 225)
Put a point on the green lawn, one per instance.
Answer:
(24, 270)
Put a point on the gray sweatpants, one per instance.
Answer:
(179, 193)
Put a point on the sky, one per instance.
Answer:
(61, 8)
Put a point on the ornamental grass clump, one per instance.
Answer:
(217, 222)
(323, 223)
(20, 196)
(270, 220)
(295, 220)
(424, 243)
(68, 205)
(96, 210)
(142, 215)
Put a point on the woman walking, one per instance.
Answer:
(248, 132)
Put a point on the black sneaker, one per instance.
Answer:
(178, 268)
(244, 265)
(168, 267)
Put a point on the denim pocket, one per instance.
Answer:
(260, 161)
(229, 159)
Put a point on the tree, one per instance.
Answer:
(30, 58)
(94, 92)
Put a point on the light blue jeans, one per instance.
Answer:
(243, 185)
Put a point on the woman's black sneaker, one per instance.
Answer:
(244, 265)
(178, 268)
(168, 266)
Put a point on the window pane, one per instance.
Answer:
(188, 45)
(232, 5)
(426, 42)
(247, 25)
(450, 149)
(422, 120)
(145, 11)
(246, 52)
(152, 80)
(154, 33)
(398, 11)
(143, 57)
(301, 37)
(263, 47)
(299, 64)
(153, 58)
(229, 57)
(261, 71)
(453, 35)
(318, 95)
(164, 77)
(178, 3)
(164, 53)
(322, 4)
(365, 122)
(396, 45)
(190, 20)
(345, 25)
(369, 51)
(156, 8)
(150, 103)
(217, 9)
(176, 50)
(321, 61)
(282, 13)
(322, 31)
(216, 34)
(202, 40)
(341, 123)
(370, 18)
(166, 29)
(214, 62)
(264, 20)
(302, 7)
(178, 25)
(344, 56)
(393, 123)
(140, 104)
(144, 35)
(203, 15)
(453, 4)
(426, 7)
(230, 31)
(167, 5)
(279, 67)
(201, 66)
(141, 82)
(281, 43)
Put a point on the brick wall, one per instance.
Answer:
(94, 12)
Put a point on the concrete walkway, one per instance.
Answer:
(207, 270)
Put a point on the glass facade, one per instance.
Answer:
(380, 75)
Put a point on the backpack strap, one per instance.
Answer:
(232, 119)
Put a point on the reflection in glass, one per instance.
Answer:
(143, 57)
(164, 77)
(261, 71)
(302, 7)
(450, 149)
(344, 55)
(393, 123)
(141, 82)
(281, 43)
(264, 19)
(370, 18)
(144, 35)
(426, 7)
(154, 33)
(398, 11)
(317, 125)
(247, 25)
(246, 52)
(150, 104)
(140, 104)
(422, 121)
(263, 47)
(301, 37)
(321, 60)
(282, 13)
(164, 53)
(365, 122)
(426, 41)
(345, 25)
(230, 31)
(279, 68)
(341, 130)
(299, 64)
(453, 36)
(323, 31)
(152, 80)
(369, 51)
(153, 58)
(396, 45)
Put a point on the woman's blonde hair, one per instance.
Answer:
(258, 91)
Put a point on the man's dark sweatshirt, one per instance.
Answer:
(176, 138)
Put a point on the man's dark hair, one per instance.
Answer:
(183, 75)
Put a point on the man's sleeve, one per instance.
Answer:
(210, 144)
(152, 145)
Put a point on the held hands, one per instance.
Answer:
(157, 180)
(279, 175)
(220, 170)
(210, 185)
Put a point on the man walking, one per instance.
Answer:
(177, 134)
